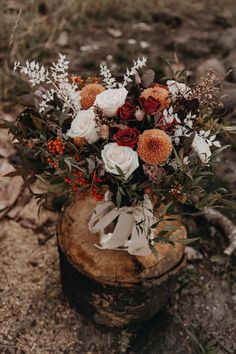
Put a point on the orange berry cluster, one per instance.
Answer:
(56, 146)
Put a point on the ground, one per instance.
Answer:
(34, 316)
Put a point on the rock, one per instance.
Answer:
(142, 26)
(10, 187)
(192, 253)
(230, 64)
(228, 39)
(192, 46)
(171, 19)
(132, 41)
(224, 20)
(115, 33)
(212, 63)
(144, 44)
(89, 47)
(229, 96)
(63, 39)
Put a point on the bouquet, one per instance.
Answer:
(137, 144)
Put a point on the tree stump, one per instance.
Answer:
(112, 287)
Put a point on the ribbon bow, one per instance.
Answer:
(127, 234)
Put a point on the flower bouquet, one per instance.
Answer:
(138, 145)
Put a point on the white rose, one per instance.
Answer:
(110, 100)
(202, 148)
(178, 89)
(84, 126)
(122, 156)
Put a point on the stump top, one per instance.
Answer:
(110, 266)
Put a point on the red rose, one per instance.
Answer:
(126, 112)
(127, 137)
(150, 105)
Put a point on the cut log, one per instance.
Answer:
(112, 287)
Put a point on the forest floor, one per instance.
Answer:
(34, 316)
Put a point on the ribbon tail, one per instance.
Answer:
(121, 233)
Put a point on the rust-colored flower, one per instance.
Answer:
(89, 93)
(154, 146)
(160, 93)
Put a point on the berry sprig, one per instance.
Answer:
(53, 163)
(56, 146)
(80, 184)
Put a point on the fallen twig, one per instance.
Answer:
(222, 222)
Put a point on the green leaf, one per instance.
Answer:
(118, 199)
(187, 241)
(154, 226)
(119, 170)
(153, 249)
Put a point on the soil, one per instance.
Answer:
(34, 316)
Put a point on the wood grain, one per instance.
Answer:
(109, 266)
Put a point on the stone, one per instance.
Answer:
(113, 32)
(171, 19)
(230, 64)
(229, 96)
(228, 39)
(211, 63)
(144, 44)
(142, 26)
(131, 41)
(193, 46)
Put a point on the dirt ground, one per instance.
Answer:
(34, 316)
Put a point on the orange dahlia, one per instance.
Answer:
(154, 146)
(88, 94)
(160, 93)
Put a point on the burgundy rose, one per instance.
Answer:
(150, 105)
(127, 137)
(126, 112)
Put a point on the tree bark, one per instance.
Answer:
(111, 287)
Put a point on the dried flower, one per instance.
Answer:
(177, 192)
(154, 146)
(89, 93)
(155, 173)
(104, 131)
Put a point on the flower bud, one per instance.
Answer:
(104, 131)
(79, 141)
(139, 115)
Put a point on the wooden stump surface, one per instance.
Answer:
(110, 266)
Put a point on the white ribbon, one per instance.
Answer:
(126, 235)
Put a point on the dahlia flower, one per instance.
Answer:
(154, 146)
